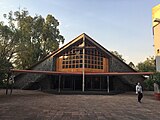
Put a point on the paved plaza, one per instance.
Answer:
(36, 105)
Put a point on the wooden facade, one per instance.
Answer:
(72, 59)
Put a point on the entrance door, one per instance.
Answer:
(96, 83)
(66, 82)
(77, 82)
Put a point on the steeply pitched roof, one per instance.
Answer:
(82, 36)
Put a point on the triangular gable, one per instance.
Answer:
(85, 37)
(106, 51)
(80, 37)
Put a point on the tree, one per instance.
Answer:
(118, 55)
(26, 39)
(147, 66)
(131, 64)
(7, 49)
(36, 36)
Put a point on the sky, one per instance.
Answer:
(118, 25)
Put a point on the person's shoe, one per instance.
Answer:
(139, 101)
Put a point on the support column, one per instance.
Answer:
(59, 84)
(108, 84)
(74, 83)
(83, 64)
(100, 82)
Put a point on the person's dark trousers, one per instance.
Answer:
(7, 88)
(140, 96)
(11, 87)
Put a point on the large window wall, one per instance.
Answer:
(73, 58)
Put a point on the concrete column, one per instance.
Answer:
(59, 85)
(108, 84)
(83, 79)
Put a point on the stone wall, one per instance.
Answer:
(117, 65)
(120, 85)
(25, 79)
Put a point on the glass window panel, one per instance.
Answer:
(77, 61)
(92, 62)
(81, 51)
(92, 66)
(73, 66)
(77, 57)
(77, 66)
(74, 51)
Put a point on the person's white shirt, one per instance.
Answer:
(138, 88)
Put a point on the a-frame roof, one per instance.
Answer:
(80, 37)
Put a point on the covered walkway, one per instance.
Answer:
(72, 81)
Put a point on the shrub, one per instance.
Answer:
(149, 84)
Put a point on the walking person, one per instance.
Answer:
(139, 92)
(9, 83)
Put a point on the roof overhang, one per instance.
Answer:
(80, 73)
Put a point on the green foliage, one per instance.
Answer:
(132, 65)
(149, 83)
(27, 39)
(7, 49)
(147, 66)
(118, 55)
(156, 78)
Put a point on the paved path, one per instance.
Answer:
(36, 105)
